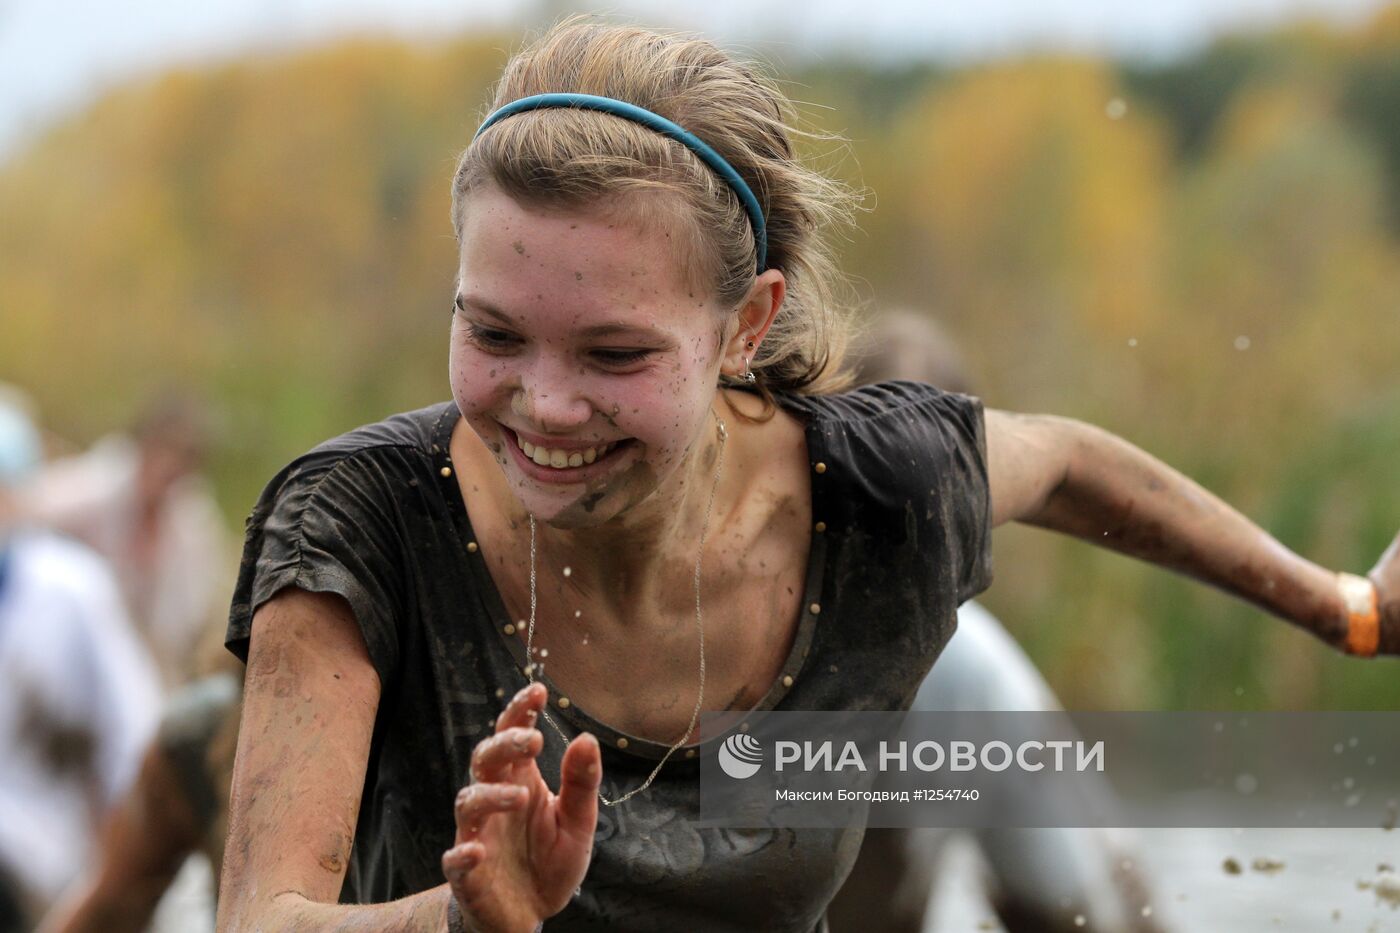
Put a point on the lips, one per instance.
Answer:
(553, 464)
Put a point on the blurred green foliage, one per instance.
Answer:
(1201, 256)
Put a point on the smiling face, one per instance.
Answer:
(582, 355)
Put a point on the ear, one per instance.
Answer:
(754, 317)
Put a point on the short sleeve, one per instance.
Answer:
(966, 489)
(911, 471)
(326, 524)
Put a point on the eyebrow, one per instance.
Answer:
(485, 307)
(607, 329)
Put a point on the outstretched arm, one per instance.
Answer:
(1074, 478)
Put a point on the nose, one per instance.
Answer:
(551, 397)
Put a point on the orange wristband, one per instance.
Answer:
(1363, 614)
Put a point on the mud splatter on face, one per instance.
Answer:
(597, 291)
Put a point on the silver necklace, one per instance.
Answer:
(530, 665)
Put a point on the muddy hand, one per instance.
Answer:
(522, 850)
(1386, 577)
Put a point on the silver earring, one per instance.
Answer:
(748, 375)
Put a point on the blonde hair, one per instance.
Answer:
(581, 159)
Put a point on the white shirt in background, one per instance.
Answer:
(79, 701)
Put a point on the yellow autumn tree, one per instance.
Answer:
(1032, 195)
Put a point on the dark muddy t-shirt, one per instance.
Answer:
(902, 498)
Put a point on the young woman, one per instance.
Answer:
(648, 497)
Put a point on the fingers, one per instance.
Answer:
(524, 708)
(581, 773)
(477, 802)
(493, 757)
(458, 863)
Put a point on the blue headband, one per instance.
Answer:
(659, 124)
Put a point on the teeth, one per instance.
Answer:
(562, 459)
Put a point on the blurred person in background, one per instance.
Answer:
(78, 693)
(141, 503)
(1038, 880)
(177, 807)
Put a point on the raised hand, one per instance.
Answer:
(521, 850)
(1386, 576)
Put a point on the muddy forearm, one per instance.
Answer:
(425, 912)
(1117, 496)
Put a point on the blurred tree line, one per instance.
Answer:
(1202, 256)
